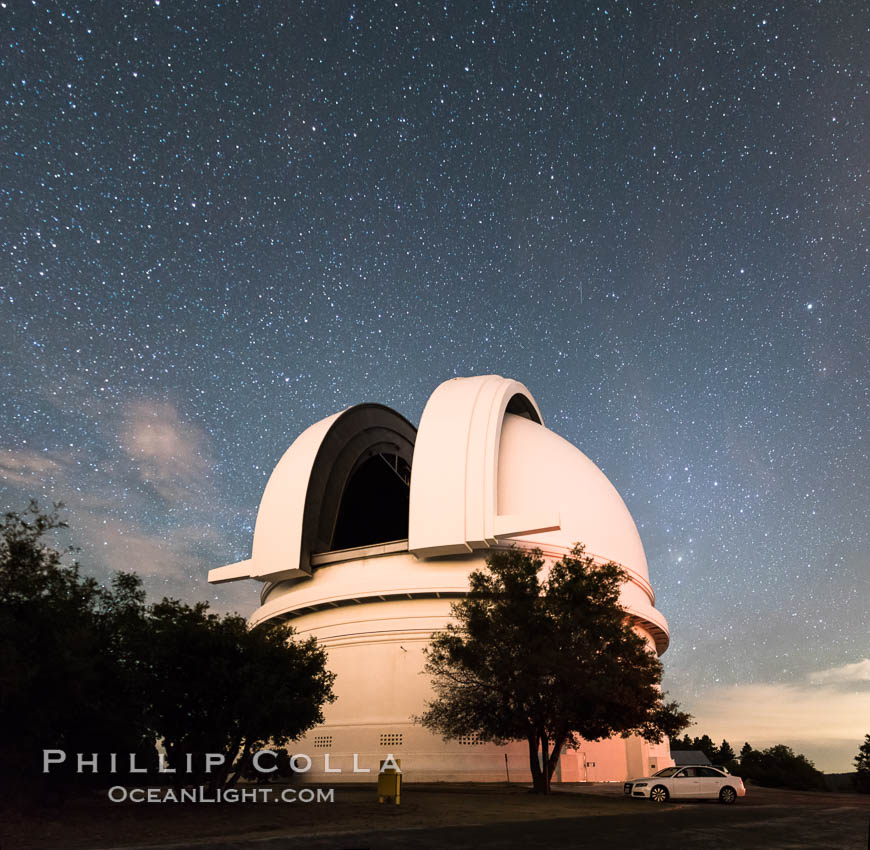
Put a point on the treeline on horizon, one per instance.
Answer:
(778, 766)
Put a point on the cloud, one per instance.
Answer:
(171, 562)
(126, 546)
(29, 468)
(141, 500)
(169, 454)
(824, 721)
(846, 674)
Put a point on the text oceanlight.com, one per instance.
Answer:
(201, 794)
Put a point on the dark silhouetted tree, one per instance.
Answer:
(684, 743)
(726, 757)
(705, 745)
(725, 753)
(65, 680)
(220, 687)
(862, 767)
(780, 767)
(547, 656)
(92, 669)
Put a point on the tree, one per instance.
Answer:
(749, 763)
(779, 767)
(684, 743)
(220, 687)
(862, 767)
(725, 753)
(63, 681)
(88, 668)
(705, 745)
(545, 655)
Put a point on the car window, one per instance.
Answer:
(710, 772)
(667, 771)
(683, 773)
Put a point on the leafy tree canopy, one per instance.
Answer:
(779, 767)
(545, 655)
(220, 687)
(88, 668)
(64, 683)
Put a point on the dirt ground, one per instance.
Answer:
(454, 816)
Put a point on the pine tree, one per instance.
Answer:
(748, 766)
(862, 767)
(725, 753)
(706, 746)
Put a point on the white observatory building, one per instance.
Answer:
(369, 528)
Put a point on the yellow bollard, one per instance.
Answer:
(390, 781)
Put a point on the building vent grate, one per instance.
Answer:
(322, 741)
(469, 740)
(390, 739)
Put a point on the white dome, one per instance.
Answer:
(480, 471)
(539, 471)
(368, 531)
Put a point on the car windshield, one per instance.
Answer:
(668, 771)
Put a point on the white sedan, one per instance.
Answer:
(692, 781)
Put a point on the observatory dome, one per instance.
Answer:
(368, 531)
(540, 471)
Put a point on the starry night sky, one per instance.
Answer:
(222, 221)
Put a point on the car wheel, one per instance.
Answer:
(659, 794)
(727, 795)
